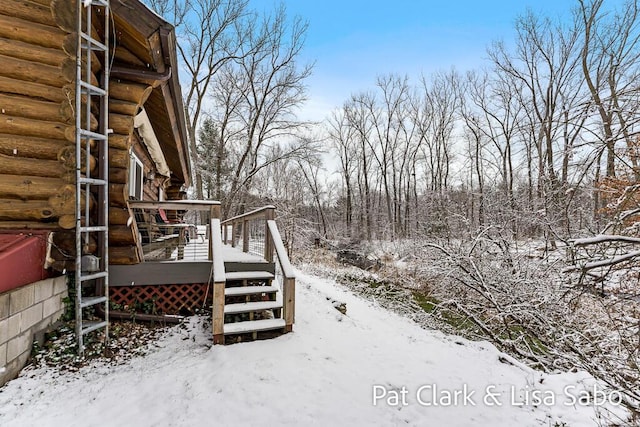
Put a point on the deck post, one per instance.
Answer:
(218, 312)
(219, 281)
(245, 236)
(269, 214)
(182, 241)
(289, 303)
(225, 233)
(234, 232)
(214, 212)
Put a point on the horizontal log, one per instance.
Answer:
(122, 142)
(119, 216)
(64, 201)
(35, 90)
(129, 91)
(31, 52)
(22, 106)
(118, 158)
(29, 187)
(13, 165)
(27, 10)
(68, 222)
(68, 115)
(36, 148)
(46, 3)
(118, 195)
(120, 235)
(124, 55)
(65, 242)
(124, 255)
(24, 210)
(64, 14)
(28, 225)
(69, 71)
(31, 32)
(67, 158)
(118, 175)
(34, 128)
(69, 49)
(121, 124)
(30, 71)
(119, 106)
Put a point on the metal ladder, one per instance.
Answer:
(91, 270)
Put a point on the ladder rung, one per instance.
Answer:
(92, 326)
(92, 43)
(89, 301)
(92, 135)
(92, 181)
(98, 275)
(91, 89)
(93, 229)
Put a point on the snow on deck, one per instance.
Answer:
(327, 372)
(197, 249)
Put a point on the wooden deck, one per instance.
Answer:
(194, 267)
(239, 283)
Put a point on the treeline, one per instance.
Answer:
(540, 141)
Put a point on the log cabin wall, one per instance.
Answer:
(37, 133)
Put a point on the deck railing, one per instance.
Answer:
(166, 228)
(250, 231)
(258, 233)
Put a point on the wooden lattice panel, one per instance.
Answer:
(161, 299)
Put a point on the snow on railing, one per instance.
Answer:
(259, 234)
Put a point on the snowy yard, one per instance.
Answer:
(328, 372)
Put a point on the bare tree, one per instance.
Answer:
(343, 138)
(209, 34)
(268, 86)
(609, 62)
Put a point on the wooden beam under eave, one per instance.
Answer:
(181, 142)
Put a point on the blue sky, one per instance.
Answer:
(353, 41)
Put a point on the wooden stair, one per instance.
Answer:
(252, 305)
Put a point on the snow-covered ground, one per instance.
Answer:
(368, 367)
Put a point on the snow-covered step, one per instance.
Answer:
(253, 326)
(246, 307)
(250, 290)
(249, 275)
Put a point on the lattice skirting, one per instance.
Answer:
(181, 299)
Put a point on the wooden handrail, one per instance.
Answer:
(289, 278)
(283, 258)
(178, 205)
(256, 213)
(215, 239)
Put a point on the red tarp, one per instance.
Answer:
(22, 257)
